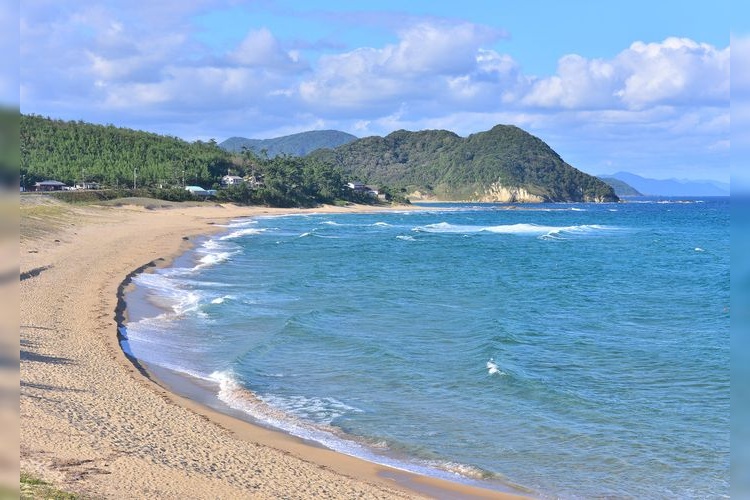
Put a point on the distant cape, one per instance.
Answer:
(504, 164)
(671, 187)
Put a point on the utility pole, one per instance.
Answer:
(135, 171)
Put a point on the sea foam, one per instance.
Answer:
(519, 229)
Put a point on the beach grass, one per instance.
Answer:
(32, 487)
(42, 215)
(150, 203)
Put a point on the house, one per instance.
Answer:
(86, 185)
(200, 192)
(360, 187)
(357, 186)
(232, 180)
(49, 186)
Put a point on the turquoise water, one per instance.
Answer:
(576, 350)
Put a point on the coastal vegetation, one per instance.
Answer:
(33, 487)
(136, 163)
(503, 164)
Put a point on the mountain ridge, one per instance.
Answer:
(299, 144)
(671, 187)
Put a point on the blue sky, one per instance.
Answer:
(639, 86)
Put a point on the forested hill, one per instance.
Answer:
(68, 151)
(502, 164)
(295, 144)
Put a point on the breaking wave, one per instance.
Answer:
(519, 229)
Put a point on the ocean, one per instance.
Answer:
(572, 350)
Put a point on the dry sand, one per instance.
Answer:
(91, 423)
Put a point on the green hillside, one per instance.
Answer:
(295, 144)
(117, 158)
(69, 151)
(501, 164)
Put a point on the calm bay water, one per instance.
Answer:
(577, 350)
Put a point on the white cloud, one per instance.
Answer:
(580, 83)
(431, 60)
(676, 71)
(437, 49)
(261, 49)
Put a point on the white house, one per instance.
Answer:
(86, 185)
(232, 180)
(360, 187)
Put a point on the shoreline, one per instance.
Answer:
(95, 423)
(138, 306)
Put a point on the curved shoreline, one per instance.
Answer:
(93, 423)
(206, 393)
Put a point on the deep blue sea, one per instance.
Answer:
(575, 350)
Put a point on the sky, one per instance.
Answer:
(638, 86)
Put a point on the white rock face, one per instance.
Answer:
(497, 193)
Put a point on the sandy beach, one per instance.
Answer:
(92, 423)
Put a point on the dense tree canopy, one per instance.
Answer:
(121, 158)
(434, 161)
(76, 151)
(452, 167)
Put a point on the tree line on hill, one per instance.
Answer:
(437, 162)
(120, 158)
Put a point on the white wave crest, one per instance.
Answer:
(214, 258)
(220, 300)
(248, 231)
(493, 369)
(169, 292)
(582, 230)
(521, 228)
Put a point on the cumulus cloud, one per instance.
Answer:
(261, 49)
(676, 71)
(430, 61)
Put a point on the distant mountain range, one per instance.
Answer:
(665, 187)
(295, 145)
